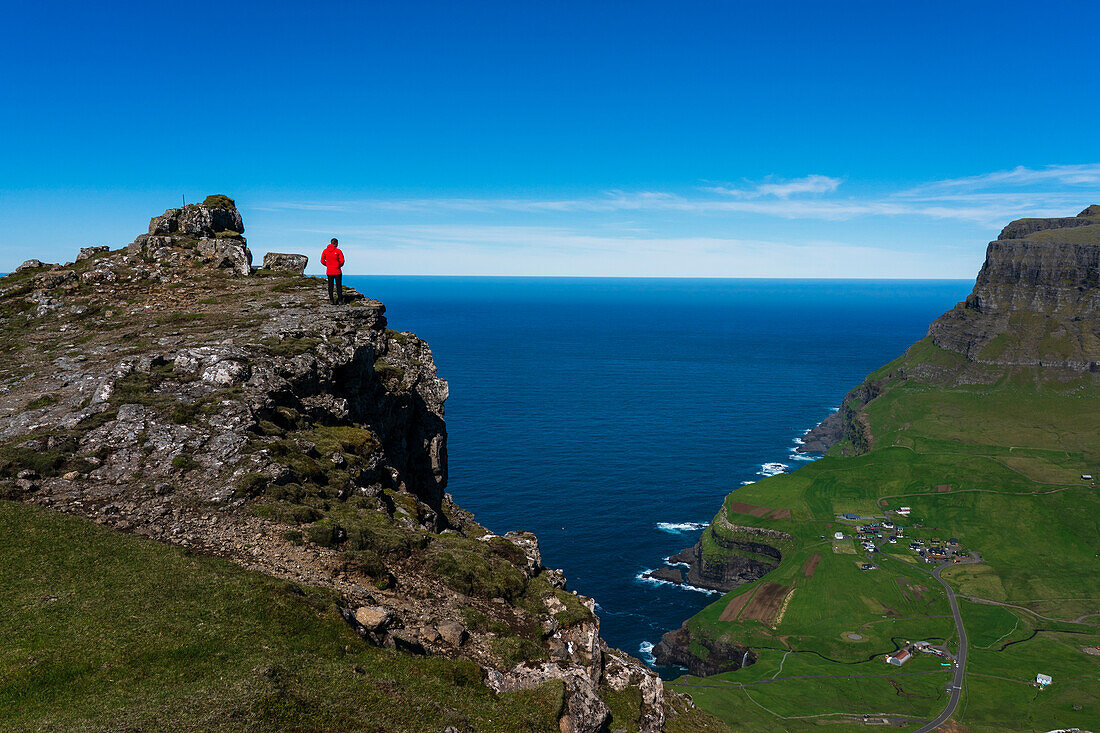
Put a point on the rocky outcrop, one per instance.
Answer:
(30, 265)
(847, 424)
(752, 553)
(282, 262)
(212, 233)
(199, 220)
(722, 654)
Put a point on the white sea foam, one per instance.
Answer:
(679, 527)
(645, 649)
(772, 469)
(671, 564)
(802, 457)
(747, 483)
(645, 578)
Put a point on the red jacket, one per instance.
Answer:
(333, 259)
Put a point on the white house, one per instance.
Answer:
(838, 535)
(1043, 680)
(904, 511)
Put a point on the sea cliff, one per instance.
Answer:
(173, 390)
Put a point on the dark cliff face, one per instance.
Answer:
(1036, 301)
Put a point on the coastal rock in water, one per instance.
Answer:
(668, 574)
(722, 654)
(732, 569)
(281, 262)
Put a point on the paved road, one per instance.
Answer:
(956, 686)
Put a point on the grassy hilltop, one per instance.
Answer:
(987, 453)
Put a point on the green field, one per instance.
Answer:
(1010, 455)
(157, 634)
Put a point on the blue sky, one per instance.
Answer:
(556, 138)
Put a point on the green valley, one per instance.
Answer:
(993, 463)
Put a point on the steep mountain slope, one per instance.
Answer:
(986, 431)
(172, 390)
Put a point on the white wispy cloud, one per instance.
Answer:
(811, 184)
(1086, 174)
(989, 200)
(555, 251)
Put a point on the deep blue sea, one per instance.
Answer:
(611, 416)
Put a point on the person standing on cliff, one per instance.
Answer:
(333, 259)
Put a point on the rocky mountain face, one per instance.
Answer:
(1037, 298)
(1035, 303)
(172, 390)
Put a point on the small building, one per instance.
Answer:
(838, 535)
(899, 658)
(921, 645)
(850, 517)
(1086, 477)
(1043, 680)
(904, 511)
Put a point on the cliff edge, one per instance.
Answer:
(171, 389)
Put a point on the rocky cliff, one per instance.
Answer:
(172, 390)
(1035, 303)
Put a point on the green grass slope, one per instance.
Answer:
(111, 632)
(997, 466)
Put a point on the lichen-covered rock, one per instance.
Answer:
(86, 252)
(373, 618)
(198, 221)
(232, 254)
(30, 265)
(282, 262)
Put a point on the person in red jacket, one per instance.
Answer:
(333, 259)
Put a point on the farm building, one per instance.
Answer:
(904, 511)
(1043, 680)
(1086, 477)
(838, 535)
(900, 658)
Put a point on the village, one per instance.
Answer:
(873, 536)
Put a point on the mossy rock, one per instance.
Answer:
(474, 574)
(219, 201)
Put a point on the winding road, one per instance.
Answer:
(956, 686)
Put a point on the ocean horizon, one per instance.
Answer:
(612, 416)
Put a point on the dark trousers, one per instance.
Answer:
(338, 280)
